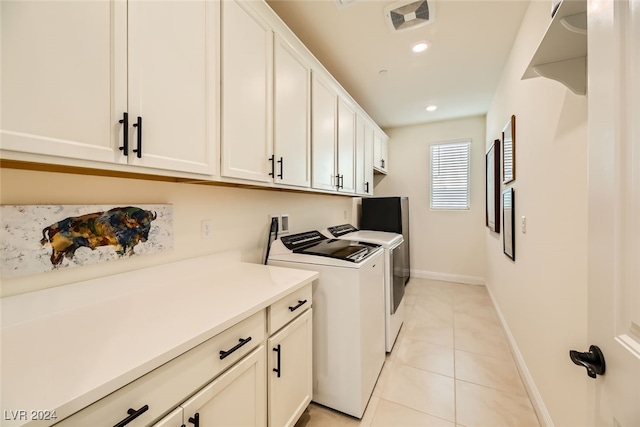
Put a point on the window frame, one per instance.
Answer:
(450, 207)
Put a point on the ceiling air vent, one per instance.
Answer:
(405, 15)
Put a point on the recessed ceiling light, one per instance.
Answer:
(420, 46)
(432, 108)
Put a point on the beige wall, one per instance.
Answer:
(239, 215)
(446, 245)
(542, 295)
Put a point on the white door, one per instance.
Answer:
(323, 142)
(364, 157)
(247, 65)
(172, 84)
(346, 147)
(236, 398)
(292, 116)
(63, 77)
(614, 209)
(290, 371)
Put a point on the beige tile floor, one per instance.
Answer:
(451, 366)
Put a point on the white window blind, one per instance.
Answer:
(450, 175)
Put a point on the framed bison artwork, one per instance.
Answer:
(39, 238)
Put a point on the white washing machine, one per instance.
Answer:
(393, 278)
(348, 315)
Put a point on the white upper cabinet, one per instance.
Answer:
(172, 69)
(74, 73)
(364, 157)
(346, 147)
(323, 140)
(247, 64)
(380, 152)
(292, 116)
(57, 82)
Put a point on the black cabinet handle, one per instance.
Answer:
(300, 304)
(242, 342)
(366, 187)
(281, 167)
(125, 133)
(195, 420)
(382, 163)
(277, 370)
(133, 414)
(342, 181)
(273, 165)
(138, 125)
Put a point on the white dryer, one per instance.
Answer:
(394, 279)
(348, 315)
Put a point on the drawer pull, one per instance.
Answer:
(300, 304)
(278, 369)
(133, 414)
(195, 420)
(242, 342)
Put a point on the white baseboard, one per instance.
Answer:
(536, 399)
(446, 277)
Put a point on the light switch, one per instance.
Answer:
(523, 224)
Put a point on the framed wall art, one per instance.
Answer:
(39, 238)
(509, 151)
(492, 186)
(508, 223)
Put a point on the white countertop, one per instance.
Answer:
(66, 347)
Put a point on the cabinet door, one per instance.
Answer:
(379, 152)
(172, 84)
(247, 64)
(292, 117)
(290, 371)
(346, 147)
(323, 140)
(364, 157)
(63, 77)
(236, 398)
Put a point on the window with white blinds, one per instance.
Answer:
(450, 175)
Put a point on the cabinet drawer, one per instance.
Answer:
(164, 388)
(288, 308)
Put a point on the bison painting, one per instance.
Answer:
(122, 228)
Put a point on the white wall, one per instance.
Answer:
(239, 215)
(447, 245)
(542, 296)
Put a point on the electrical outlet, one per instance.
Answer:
(206, 229)
(284, 223)
(523, 224)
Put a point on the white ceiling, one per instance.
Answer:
(470, 42)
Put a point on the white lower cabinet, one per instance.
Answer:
(290, 371)
(232, 379)
(236, 398)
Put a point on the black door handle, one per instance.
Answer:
(125, 133)
(277, 370)
(138, 125)
(273, 165)
(593, 360)
(281, 167)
